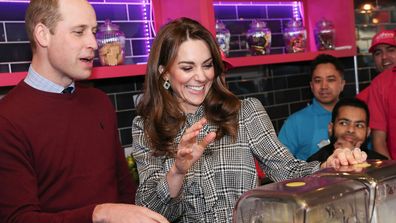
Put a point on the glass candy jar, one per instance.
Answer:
(324, 35)
(295, 37)
(259, 38)
(111, 44)
(223, 37)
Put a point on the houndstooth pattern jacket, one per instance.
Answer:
(225, 170)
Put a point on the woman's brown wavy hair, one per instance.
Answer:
(162, 114)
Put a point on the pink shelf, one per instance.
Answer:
(118, 71)
(11, 79)
(285, 58)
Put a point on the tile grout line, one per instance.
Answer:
(5, 32)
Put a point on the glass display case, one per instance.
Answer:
(310, 199)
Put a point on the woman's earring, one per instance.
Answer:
(166, 84)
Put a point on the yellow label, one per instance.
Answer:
(362, 165)
(296, 184)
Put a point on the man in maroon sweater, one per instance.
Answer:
(60, 156)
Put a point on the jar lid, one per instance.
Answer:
(323, 23)
(220, 25)
(108, 26)
(257, 24)
(294, 23)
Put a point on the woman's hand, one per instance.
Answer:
(189, 149)
(345, 157)
(345, 153)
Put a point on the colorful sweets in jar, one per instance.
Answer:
(295, 37)
(259, 38)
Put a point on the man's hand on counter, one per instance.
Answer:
(125, 213)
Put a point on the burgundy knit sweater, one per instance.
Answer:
(59, 156)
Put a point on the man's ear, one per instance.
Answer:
(330, 129)
(41, 34)
(342, 85)
(368, 131)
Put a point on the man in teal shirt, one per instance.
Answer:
(305, 131)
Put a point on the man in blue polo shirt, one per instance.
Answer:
(305, 131)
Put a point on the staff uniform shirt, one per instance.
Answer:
(305, 131)
(382, 105)
(225, 171)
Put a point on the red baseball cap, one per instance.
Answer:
(226, 61)
(383, 37)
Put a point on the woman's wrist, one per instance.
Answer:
(175, 181)
(174, 172)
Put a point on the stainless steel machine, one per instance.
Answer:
(380, 177)
(359, 193)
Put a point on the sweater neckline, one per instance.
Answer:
(49, 94)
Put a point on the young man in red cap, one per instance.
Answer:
(378, 95)
(383, 48)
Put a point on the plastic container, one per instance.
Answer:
(295, 36)
(259, 38)
(223, 37)
(325, 35)
(111, 44)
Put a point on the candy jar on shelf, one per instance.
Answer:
(111, 44)
(259, 38)
(295, 37)
(324, 35)
(223, 37)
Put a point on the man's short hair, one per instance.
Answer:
(326, 58)
(41, 11)
(353, 102)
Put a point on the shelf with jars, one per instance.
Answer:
(260, 31)
(320, 26)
